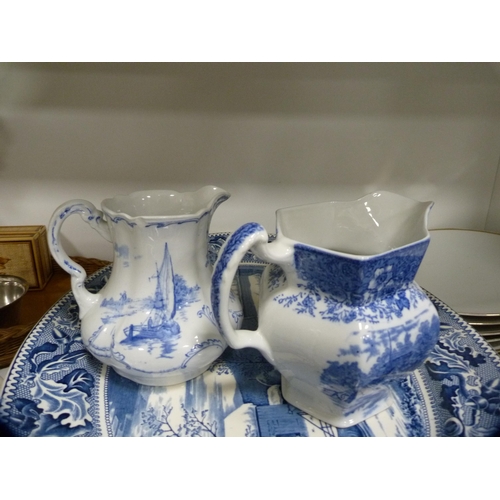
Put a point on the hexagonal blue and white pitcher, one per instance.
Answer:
(340, 315)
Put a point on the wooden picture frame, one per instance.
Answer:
(24, 252)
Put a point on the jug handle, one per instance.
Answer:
(94, 218)
(249, 236)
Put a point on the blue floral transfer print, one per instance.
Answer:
(342, 289)
(373, 358)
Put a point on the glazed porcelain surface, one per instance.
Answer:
(54, 387)
(340, 315)
(152, 321)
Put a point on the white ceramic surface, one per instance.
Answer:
(152, 322)
(54, 387)
(462, 268)
(339, 313)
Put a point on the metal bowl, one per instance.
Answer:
(12, 289)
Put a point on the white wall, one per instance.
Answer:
(274, 135)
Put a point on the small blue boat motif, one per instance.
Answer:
(160, 326)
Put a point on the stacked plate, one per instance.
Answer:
(462, 268)
(488, 327)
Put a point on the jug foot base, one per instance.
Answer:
(158, 380)
(317, 404)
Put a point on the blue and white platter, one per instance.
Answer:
(55, 388)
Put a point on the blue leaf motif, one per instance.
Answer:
(57, 362)
(44, 348)
(29, 414)
(79, 379)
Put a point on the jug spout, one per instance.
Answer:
(211, 197)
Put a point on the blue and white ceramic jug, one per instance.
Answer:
(152, 321)
(340, 315)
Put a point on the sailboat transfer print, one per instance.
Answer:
(151, 320)
(160, 326)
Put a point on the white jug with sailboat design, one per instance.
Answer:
(152, 321)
